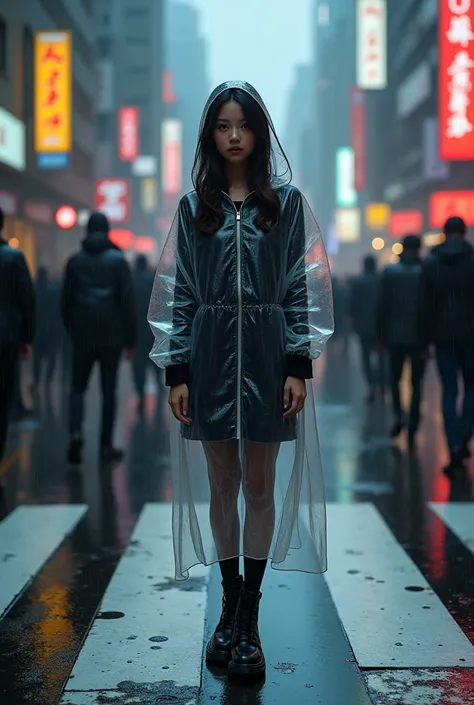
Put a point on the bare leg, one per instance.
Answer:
(225, 477)
(259, 488)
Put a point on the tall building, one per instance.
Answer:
(298, 131)
(129, 46)
(29, 194)
(404, 165)
(333, 77)
(187, 62)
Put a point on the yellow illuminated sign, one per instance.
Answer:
(377, 216)
(53, 79)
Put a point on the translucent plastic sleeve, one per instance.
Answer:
(308, 303)
(173, 301)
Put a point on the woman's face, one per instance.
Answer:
(234, 140)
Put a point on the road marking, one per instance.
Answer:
(371, 579)
(459, 517)
(154, 650)
(28, 537)
(10, 460)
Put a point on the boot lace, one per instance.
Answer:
(246, 622)
(229, 607)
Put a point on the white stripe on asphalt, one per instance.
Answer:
(28, 537)
(371, 578)
(459, 517)
(154, 649)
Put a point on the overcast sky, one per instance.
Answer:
(260, 41)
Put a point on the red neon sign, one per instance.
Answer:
(122, 238)
(66, 217)
(444, 204)
(112, 198)
(456, 79)
(358, 137)
(128, 133)
(406, 222)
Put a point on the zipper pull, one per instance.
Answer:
(238, 215)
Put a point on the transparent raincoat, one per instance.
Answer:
(237, 311)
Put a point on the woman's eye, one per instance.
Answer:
(245, 126)
(222, 127)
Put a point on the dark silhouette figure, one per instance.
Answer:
(363, 311)
(17, 323)
(141, 363)
(399, 326)
(448, 318)
(48, 327)
(99, 312)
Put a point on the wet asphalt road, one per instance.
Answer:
(309, 624)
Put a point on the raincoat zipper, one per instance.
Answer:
(239, 314)
(239, 330)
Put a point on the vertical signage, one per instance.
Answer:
(456, 77)
(371, 44)
(444, 204)
(358, 137)
(171, 141)
(346, 195)
(128, 133)
(112, 198)
(53, 102)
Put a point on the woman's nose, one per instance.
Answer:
(234, 135)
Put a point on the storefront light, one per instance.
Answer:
(14, 242)
(397, 248)
(378, 243)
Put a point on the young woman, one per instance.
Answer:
(241, 305)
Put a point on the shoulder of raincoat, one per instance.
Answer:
(287, 267)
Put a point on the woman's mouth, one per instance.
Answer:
(235, 150)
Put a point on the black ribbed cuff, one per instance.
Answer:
(299, 366)
(177, 374)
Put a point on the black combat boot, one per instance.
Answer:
(218, 648)
(247, 655)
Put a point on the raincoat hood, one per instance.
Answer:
(280, 167)
(96, 243)
(452, 249)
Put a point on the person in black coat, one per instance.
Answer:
(399, 326)
(448, 317)
(48, 338)
(143, 279)
(363, 313)
(99, 312)
(17, 323)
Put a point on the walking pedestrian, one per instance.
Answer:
(363, 312)
(17, 323)
(399, 328)
(236, 328)
(448, 316)
(48, 337)
(99, 312)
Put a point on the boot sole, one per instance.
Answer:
(246, 670)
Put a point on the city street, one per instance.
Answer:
(90, 613)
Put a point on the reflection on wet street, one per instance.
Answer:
(88, 602)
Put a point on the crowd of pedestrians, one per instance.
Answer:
(413, 310)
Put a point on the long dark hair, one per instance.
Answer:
(209, 175)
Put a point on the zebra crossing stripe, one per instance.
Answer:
(146, 641)
(28, 537)
(459, 517)
(392, 617)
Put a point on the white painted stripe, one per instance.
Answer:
(28, 537)
(387, 625)
(124, 650)
(459, 517)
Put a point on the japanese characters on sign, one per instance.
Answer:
(456, 75)
(128, 133)
(444, 204)
(53, 77)
(371, 44)
(112, 197)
